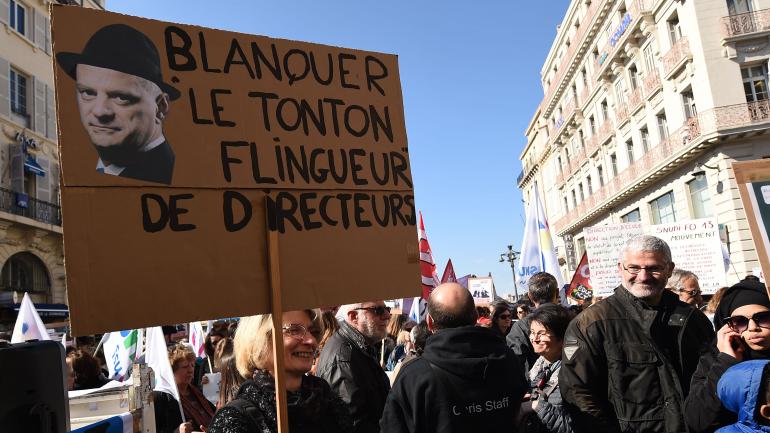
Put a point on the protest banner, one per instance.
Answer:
(580, 288)
(696, 247)
(753, 179)
(482, 290)
(238, 130)
(603, 246)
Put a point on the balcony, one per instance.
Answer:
(676, 57)
(622, 115)
(635, 100)
(605, 131)
(746, 24)
(37, 210)
(592, 145)
(651, 84)
(746, 115)
(621, 34)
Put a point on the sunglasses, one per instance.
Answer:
(380, 311)
(741, 323)
(504, 316)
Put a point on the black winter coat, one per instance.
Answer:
(467, 380)
(350, 366)
(312, 409)
(619, 377)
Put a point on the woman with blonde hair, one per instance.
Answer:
(312, 406)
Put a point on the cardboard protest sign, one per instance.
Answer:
(482, 290)
(696, 247)
(182, 146)
(753, 178)
(603, 246)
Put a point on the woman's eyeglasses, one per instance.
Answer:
(741, 323)
(379, 310)
(295, 330)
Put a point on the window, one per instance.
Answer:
(600, 174)
(663, 209)
(630, 151)
(588, 184)
(584, 76)
(674, 30)
(649, 59)
(662, 126)
(558, 164)
(24, 272)
(620, 97)
(700, 197)
(19, 93)
(582, 192)
(689, 104)
(755, 82)
(566, 154)
(582, 139)
(581, 246)
(18, 17)
(736, 7)
(574, 199)
(644, 133)
(592, 125)
(614, 164)
(631, 217)
(566, 205)
(633, 77)
(605, 111)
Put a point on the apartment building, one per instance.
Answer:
(647, 103)
(31, 252)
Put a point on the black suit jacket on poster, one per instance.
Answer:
(156, 165)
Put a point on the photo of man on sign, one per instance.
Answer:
(123, 100)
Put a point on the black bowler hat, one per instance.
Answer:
(121, 48)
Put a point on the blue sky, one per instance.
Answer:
(470, 79)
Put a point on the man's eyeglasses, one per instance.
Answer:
(379, 310)
(689, 292)
(295, 330)
(741, 323)
(539, 335)
(655, 270)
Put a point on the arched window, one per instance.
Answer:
(24, 272)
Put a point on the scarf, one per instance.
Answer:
(192, 413)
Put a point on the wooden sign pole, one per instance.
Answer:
(277, 313)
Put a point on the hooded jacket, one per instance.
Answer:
(738, 389)
(467, 380)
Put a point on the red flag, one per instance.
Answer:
(449, 274)
(580, 287)
(427, 267)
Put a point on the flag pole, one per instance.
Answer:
(276, 307)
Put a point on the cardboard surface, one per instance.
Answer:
(306, 136)
(753, 179)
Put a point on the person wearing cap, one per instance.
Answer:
(742, 321)
(123, 101)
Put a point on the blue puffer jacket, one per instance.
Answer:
(738, 388)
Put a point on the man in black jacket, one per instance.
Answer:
(542, 289)
(467, 379)
(627, 361)
(349, 363)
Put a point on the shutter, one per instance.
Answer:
(55, 187)
(50, 113)
(5, 87)
(40, 25)
(5, 11)
(43, 184)
(47, 35)
(17, 168)
(38, 109)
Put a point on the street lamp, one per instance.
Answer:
(511, 257)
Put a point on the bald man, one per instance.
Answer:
(466, 380)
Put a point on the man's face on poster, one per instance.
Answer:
(120, 112)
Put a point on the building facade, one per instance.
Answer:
(31, 251)
(647, 103)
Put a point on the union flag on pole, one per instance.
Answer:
(580, 287)
(428, 274)
(449, 274)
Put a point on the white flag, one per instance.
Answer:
(28, 324)
(538, 253)
(120, 353)
(156, 356)
(418, 309)
(197, 339)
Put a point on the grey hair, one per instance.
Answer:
(678, 276)
(646, 243)
(342, 312)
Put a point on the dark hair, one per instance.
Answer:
(461, 315)
(524, 307)
(396, 325)
(331, 325)
(420, 335)
(482, 311)
(542, 287)
(86, 369)
(231, 379)
(763, 396)
(224, 348)
(554, 318)
(497, 308)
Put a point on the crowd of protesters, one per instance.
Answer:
(653, 357)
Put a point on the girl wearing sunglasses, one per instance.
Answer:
(742, 321)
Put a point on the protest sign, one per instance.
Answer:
(580, 286)
(181, 147)
(753, 178)
(482, 290)
(603, 245)
(696, 247)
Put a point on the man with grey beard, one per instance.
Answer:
(627, 361)
(349, 363)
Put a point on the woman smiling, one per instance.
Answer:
(312, 406)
